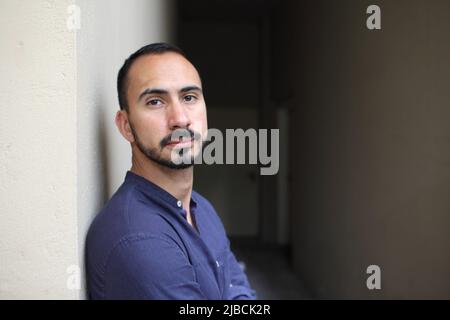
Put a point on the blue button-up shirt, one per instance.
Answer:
(140, 246)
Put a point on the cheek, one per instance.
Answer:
(200, 121)
(205, 123)
(150, 131)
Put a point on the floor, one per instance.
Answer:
(268, 270)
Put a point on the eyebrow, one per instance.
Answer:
(190, 88)
(162, 91)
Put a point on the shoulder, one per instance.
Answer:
(123, 220)
(123, 213)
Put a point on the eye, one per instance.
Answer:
(153, 102)
(189, 98)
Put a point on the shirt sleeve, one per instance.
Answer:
(150, 267)
(239, 286)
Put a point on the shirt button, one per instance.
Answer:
(218, 264)
(179, 203)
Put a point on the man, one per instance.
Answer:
(156, 238)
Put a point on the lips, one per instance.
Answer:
(181, 141)
(180, 137)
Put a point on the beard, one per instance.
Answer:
(155, 154)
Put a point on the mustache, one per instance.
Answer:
(180, 133)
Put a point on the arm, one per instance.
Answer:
(150, 267)
(239, 285)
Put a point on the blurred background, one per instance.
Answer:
(363, 116)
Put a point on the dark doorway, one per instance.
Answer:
(230, 44)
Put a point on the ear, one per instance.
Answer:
(123, 124)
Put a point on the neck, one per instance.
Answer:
(177, 182)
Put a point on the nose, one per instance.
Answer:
(177, 116)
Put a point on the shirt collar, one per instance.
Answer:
(155, 190)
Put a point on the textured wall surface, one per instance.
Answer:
(38, 189)
(110, 31)
(60, 153)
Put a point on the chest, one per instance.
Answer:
(206, 247)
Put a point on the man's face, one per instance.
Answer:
(167, 111)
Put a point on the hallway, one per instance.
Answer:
(268, 270)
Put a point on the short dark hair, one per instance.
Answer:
(154, 48)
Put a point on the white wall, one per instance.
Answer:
(110, 31)
(60, 154)
(38, 164)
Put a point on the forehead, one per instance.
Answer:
(169, 71)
